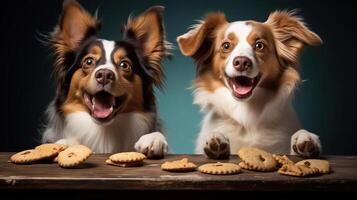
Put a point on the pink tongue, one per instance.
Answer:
(102, 106)
(242, 90)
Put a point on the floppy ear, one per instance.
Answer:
(147, 30)
(291, 35)
(199, 42)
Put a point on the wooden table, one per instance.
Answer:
(94, 174)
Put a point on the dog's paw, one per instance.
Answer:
(217, 147)
(305, 144)
(153, 145)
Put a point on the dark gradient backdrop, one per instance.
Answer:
(325, 102)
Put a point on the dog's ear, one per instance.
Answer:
(291, 35)
(147, 31)
(74, 25)
(199, 42)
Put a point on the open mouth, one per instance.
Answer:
(243, 86)
(102, 105)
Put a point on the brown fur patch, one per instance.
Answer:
(148, 30)
(291, 36)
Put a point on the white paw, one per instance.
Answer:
(217, 147)
(305, 144)
(153, 145)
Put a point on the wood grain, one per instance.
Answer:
(94, 174)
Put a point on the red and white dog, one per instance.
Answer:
(246, 74)
(105, 96)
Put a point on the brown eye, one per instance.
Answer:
(259, 46)
(226, 46)
(124, 65)
(88, 62)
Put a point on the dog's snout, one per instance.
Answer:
(104, 76)
(242, 63)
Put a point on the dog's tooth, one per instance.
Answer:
(111, 109)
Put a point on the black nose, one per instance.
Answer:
(242, 63)
(104, 76)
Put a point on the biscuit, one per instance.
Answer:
(283, 160)
(27, 156)
(179, 166)
(51, 150)
(297, 170)
(323, 166)
(257, 159)
(219, 168)
(127, 164)
(126, 157)
(73, 156)
(243, 165)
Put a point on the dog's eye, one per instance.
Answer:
(226, 46)
(259, 46)
(88, 62)
(124, 65)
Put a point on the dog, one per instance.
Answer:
(105, 89)
(246, 75)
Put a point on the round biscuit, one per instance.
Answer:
(178, 166)
(219, 168)
(73, 156)
(323, 166)
(125, 157)
(27, 156)
(257, 159)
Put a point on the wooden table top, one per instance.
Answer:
(95, 174)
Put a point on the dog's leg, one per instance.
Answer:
(153, 145)
(217, 146)
(305, 144)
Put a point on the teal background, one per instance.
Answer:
(325, 101)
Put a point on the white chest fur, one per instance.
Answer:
(119, 135)
(266, 122)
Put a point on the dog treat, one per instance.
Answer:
(257, 159)
(283, 160)
(126, 159)
(127, 164)
(28, 156)
(297, 170)
(73, 156)
(219, 168)
(51, 150)
(323, 166)
(243, 165)
(179, 166)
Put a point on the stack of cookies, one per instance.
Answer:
(66, 157)
(126, 159)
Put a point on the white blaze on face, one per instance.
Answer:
(241, 30)
(108, 47)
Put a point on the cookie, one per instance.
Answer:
(257, 159)
(73, 156)
(323, 166)
(219, 168)
(179, 166)
(27, 156)
(126, 157)
(51, 150)
(127, 164)
(243, 165)
(283, 160)
(298, 170)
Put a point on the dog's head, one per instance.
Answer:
(105, 77)
(244, 55)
